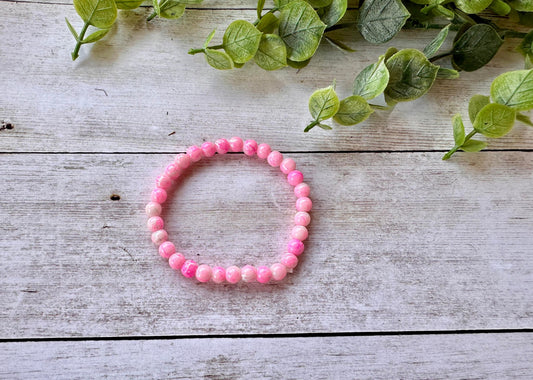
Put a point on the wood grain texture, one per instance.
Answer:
(398, 242)
(486, 356)
(138, 90)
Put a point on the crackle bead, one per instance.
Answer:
(295, 246)
(159, 237)
(264, 275)
(304, 204)
(173, 171)
(158, 195)
(250, 147)
(275, 158)
(248, 273)
(195, 153)
(302, 218)
(233, 274)
(167, 249)
(299, 232)
(302, 190)
(155, 223)
(295, 177)
(176, 261)
(183, 161)
(287, 165)
(163, 182)
(235, 144)
(223, 146)
(204, 273)
(219, 275)
(153, 209)
(279, 271)
(209, 149)
(189, 268)
(289, 260)
(263, 150)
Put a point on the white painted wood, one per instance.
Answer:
(484, 356)
(159, 98)
(398, 242)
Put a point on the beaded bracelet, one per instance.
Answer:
(232, 274)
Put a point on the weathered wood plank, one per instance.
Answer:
(132, 90)
(398, 242)
(490, 356)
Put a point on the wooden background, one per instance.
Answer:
(415, 268)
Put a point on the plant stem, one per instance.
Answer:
(79, 41)
(340, 26)
(456, 147)
(202, 50)
(154, 13)
(439, 56)
(311, 126)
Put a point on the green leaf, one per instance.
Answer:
(514, 89)
(437, 42)
(445, 12)
(476, 47)
(281, 3)
(98, 13)
(301, 30)
(524, 119)
(372, 80)
(218, 59)
(241, 41)
(334, 12)
(380, 20)
(268, 23)
(495, 120)
(171, 9)
(500, 7)
(473, 146)
(272, 53)
(528, 62)
(128, 4)
(339, 44)
(209, 38)
(522, 5)
(390, 52)
(260, 6)
(526, 46)
(445, 73)
(472, 6)
(95, 36)
(324, 103)
(298, 65)
(325, 126)
(411, 75)
(72, 30)
(353, 110)
(477, 102)
(319, 3)
(458, 130)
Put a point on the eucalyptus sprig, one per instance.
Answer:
(510, 93)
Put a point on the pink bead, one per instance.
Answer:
(159, 237)
(158, 195)
(176, 261)
(248, 273)
(153, 209)
(233, 274)
(275, 158)
(287, 165)
(209, 149)
(155, 223)
(235, 144)
(189, 268)
(295, 177)
(222, 146)
(250, 147)
(263, 150)
(304, 204)
(302, 218)
(289, 260)
(183, 161)
(264, 275)
(302, 190)
(173, 171)
(299, 233)
(295, 246)
(195, 153)
(163, 182)
(219, 275)
(204, 273)
(279, 271)
(167, 249)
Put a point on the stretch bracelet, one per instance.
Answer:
(232, 274)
